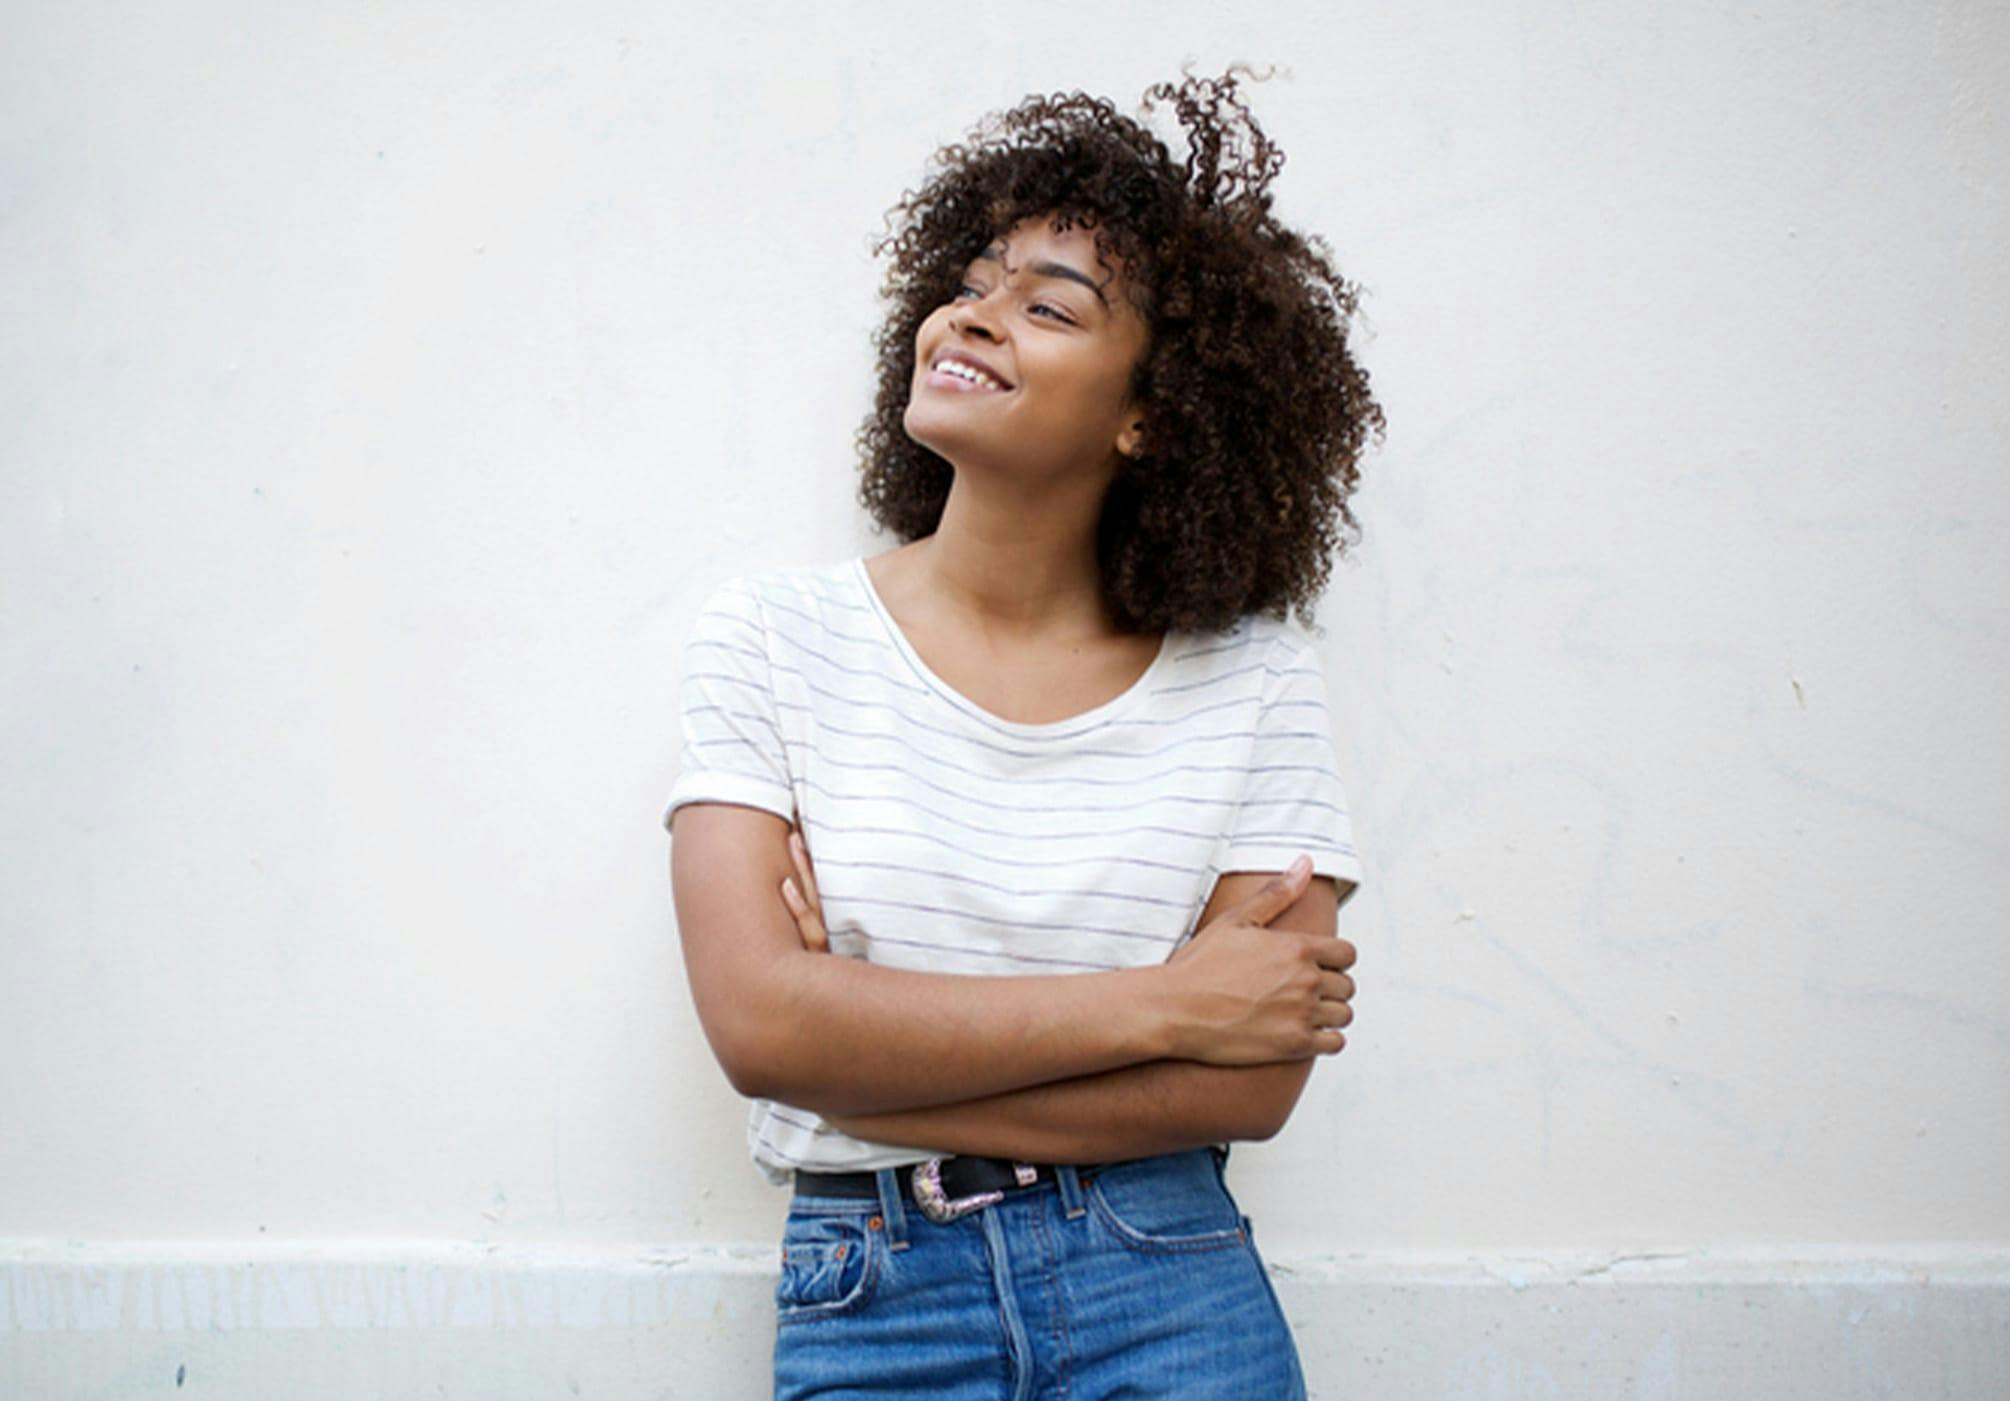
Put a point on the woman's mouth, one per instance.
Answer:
(952, 373)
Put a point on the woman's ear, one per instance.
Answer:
(1131, 442)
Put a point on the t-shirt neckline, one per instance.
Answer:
(1069, 725)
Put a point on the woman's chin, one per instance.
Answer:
(939, 438)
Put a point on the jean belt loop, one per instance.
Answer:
(891, 1209)
(1070, 1183)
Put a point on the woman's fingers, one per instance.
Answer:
(809, 924)
(1333, 1013)
(804, 873)
(799, 893)
(1336, 1006)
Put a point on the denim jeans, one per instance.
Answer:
(1143, 1282)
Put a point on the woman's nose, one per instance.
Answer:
(975, 317)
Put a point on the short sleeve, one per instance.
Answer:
(732, 740)
(1292, 799)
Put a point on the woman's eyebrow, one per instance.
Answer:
(1046, 268)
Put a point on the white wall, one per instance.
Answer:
(382, 388)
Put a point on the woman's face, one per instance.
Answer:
(1052, 338)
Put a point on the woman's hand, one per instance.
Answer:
(1251, 994)
(799, 893)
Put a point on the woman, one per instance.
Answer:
(1058, 757)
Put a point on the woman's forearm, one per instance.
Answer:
(836, 1034)
(840, 1035)
(1156, 1107)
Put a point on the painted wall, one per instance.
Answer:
(382, 387)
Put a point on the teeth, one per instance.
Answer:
(969, 372)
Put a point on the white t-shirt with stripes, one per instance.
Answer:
(949, 839)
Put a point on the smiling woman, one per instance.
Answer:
(1039, 346)
(1007, 861)
(1234, 499)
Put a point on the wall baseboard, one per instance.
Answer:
(312, 1321)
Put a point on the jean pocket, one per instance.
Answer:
(830, 1265)
(1156, 1210)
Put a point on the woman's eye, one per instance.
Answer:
(1053, 311)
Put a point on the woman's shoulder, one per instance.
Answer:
(794, 608)
(1255, 660)
(1254, 639)
(792, 597)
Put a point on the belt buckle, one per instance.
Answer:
(936, 1204)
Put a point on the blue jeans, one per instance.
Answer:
(1142, 1282)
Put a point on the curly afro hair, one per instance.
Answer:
(1255, 411)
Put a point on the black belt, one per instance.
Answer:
(944, 1188)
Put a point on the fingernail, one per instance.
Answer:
(789, 890)
(1301, 866)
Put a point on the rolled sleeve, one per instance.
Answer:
(1293, 801)
(732, 750)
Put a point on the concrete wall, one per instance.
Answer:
(383, 386)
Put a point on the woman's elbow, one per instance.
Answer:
(747, 1054)
(748, 1076)
(1263, 1123)
(751, 1021)
(1266, 1111)
(768, 1058)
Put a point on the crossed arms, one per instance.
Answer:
(1216, 1044)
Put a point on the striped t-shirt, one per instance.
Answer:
(948, 839)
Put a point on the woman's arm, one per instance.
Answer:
(1158, 1107)
(839, 1035)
